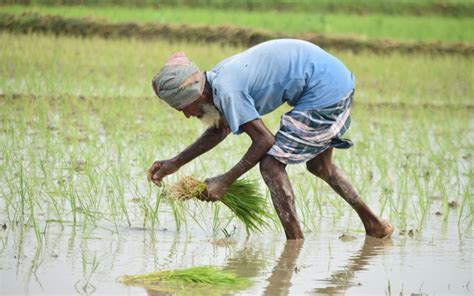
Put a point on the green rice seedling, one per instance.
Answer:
(303, 205)
(148, 209)
(216, 221)
(120, 192)
(178, 214)
(466, 200)
(201, 275)
(242, 198)
(64, 156)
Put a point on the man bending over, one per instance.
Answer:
(239, 90)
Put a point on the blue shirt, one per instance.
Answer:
(260, 79)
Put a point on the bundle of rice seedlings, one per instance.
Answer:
(242, 198)
(201, 275)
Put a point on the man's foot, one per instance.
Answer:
(383, 230)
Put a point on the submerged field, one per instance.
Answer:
(79, 127)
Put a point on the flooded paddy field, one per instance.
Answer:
(436, 260)
(79, 127)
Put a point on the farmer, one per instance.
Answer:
(239, 90)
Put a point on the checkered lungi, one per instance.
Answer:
(305, 134)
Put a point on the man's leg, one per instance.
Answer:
(323, 167)
(283, 198)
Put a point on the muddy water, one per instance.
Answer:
(437, 259)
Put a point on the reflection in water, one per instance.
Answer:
(70, 259)
(341, 280)
(159, 293)
(279, 281)
(246, 262)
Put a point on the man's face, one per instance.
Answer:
(193, 110)
(206, 112)
(203, 109)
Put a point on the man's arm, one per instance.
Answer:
(262, 141)
(208, 140)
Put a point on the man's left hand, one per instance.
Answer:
(216, 188)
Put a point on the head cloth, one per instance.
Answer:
(180, 82)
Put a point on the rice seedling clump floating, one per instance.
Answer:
(242, 198)
(200, 276)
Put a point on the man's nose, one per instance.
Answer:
(186, 114)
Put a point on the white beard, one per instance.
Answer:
(211, 116)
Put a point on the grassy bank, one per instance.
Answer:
(396, 27)
(229, 35)
(420, 7)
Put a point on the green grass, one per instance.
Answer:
(78, 150)
(418, 7)
(44, 65)
(413, 28)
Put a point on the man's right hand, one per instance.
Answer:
(161, 169)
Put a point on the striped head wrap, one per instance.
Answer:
(180, 82)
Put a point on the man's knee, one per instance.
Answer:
(319, 168)
(275, 176)
(269, 165)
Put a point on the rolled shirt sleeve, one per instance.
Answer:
(237, 108)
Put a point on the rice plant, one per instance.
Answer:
(242, 198)
(201, 275)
